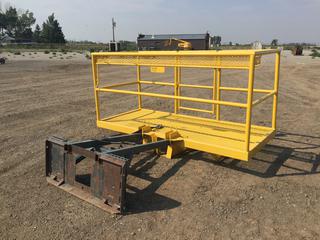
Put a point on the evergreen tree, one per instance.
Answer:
(274, 42)
(51, 31)
(36, 34)
(16, 25)
(11, 18)
(23, 29)
(3, 22)
(217, 40)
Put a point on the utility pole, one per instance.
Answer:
(113, 26)
(113, 45)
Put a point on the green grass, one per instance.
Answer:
(64, 51)
(88, 56)
(315, 53)
(79, 47)
(68, 47)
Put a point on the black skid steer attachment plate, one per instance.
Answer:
(103, 180)
(107, 185)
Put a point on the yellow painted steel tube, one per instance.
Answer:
(245, 90)
(218, 93)
(206, 87)
(95, 84)
(174, 65)
(266, 51)
(120, 84)
(256, 102)
(176, 109)
(178, 86)
(156, 83)
(139, 87)
(249, 102)
(188, 86)
(232, 104)
(276, 89)
(196, 109)
(214, 88)
(188, 53)
(195, 86)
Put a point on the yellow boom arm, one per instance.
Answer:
(185, 45)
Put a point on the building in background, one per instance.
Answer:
(6, 39)
(160, 41)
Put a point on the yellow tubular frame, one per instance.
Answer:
(176, 91)
(139, 86)
(214, 88)
(95, 78)
(218, 93)
(249, 102)
(233, 59)
(276, 89)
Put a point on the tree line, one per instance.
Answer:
(19, 26)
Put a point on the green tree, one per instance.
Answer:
(36, 34)
(15, 25)
(3, 22)
(216, 40)
(128, 45)
(51, 31)
(11, 18)
(274, 42)
(23, 29)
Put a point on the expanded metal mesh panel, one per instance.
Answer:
(216, 61)
(157, 60)
(199, 60)
(127, 60)
(257, 60)
(192, 61)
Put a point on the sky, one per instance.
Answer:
(238, 21)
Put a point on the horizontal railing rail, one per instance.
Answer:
(187, 86)
(265, 97)
(191, 99)
(120, 84)
(244, 89)
(196, 109)
(156, 83)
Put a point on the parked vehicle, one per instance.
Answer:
(2, 60)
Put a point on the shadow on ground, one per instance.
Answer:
(271, 161)
(145, 200)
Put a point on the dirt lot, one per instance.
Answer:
(274, 196)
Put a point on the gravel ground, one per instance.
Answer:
(195, 196)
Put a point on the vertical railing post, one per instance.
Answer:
(176, 79)
(218, 93)
(178, 87)
(95, 78)
(249, 101)
(214, 90)
(139, 86)
(176, 101)
(275, 88)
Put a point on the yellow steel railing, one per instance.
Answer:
(216, 60)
